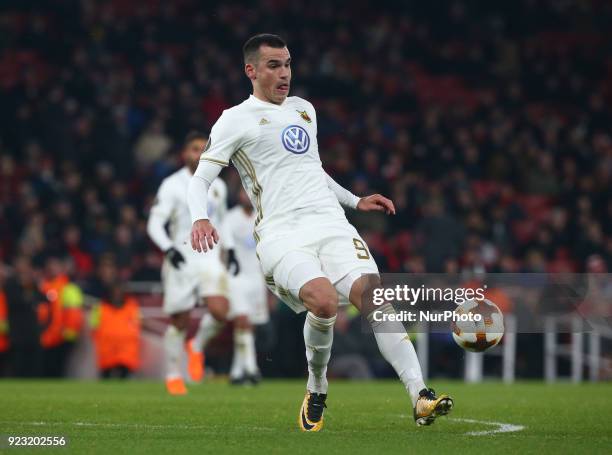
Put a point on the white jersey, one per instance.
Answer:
(240, 226)
(275, 151)
(171, 207)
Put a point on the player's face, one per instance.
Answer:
(192, 152)
(271, 74)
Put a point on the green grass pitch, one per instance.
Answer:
(362, 417)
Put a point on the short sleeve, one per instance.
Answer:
(225, 138)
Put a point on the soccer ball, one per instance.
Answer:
(478, 325)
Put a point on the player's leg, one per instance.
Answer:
(349, 264)
(243, 297)
(321, 300)
(297, 278)
(257, 313)
(210, 325)
(179, 299)
(244, 363)
(213, 288)
(212, 322)
(393, 342)
(174, 340)
(396, 347)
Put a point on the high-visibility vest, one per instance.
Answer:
(116, 334)
(4, 324)
(62, 316)
(72, 311)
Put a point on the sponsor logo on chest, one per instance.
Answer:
(295, 139)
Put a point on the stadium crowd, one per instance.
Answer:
(488, 125)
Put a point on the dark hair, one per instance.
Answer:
(193, 135)
(250, 50)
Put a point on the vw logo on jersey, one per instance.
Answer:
(295, 139)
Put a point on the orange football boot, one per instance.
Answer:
(176, 386)
(195, 364)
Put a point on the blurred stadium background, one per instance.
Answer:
(488, 124)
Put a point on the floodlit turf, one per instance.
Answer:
(362, 417)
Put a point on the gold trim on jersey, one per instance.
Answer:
(270, 281)
(287, 296)
(241, 158)
(214, 160)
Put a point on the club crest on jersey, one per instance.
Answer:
(295, 139)
(304, 115)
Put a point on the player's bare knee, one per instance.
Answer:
(361, 285)
(180, 320)
(242, 322)
(322, 301)
(218, 307)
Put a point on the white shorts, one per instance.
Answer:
(249, 297)
(338, 253)
(197, 278)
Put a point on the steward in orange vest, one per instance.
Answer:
(61, 318)
(115, 324)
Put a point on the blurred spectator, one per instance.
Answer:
(440, 236)
(24, 297)
(4, 326)
(153, 144)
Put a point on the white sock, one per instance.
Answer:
(238, 361)
(397, 349)
(207, 330)
(250, 356)
(318, 337)
(173, 351)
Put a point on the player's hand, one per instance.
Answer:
(233, 266)
(203, 236)
(376, 202)
(175, 257)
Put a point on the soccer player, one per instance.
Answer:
(188, 277)
(248, 295)
(311, 257)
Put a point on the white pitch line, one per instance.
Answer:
(501, 427)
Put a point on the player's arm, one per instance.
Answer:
(225, 138)
(226, 234)
(375, 202)
(203, 233)
(344, 196)
(158, 216)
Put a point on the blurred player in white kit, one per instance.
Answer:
(248, 294)
(188, 277)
